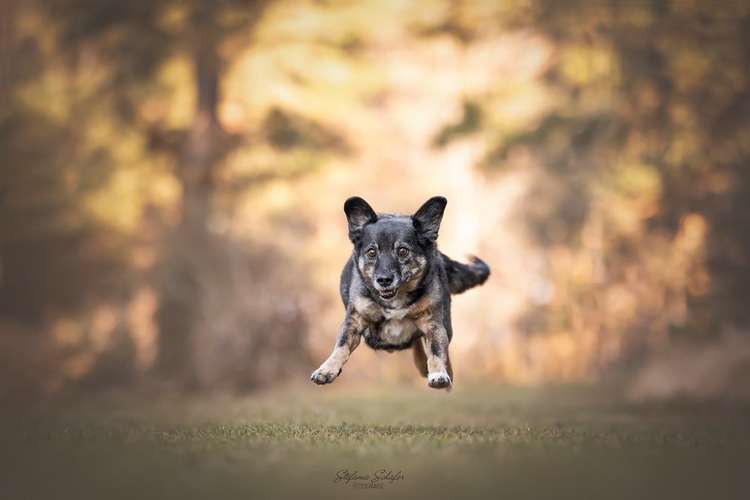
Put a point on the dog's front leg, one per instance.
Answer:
(346, 341)
(435, 342)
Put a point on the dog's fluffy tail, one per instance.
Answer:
(461, 277)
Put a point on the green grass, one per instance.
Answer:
(475, 442)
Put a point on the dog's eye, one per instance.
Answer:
(403, 252)
(371, 253)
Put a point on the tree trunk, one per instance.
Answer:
(197, 164)
(201, 149)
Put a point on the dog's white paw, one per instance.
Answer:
(324, 375)
(438, 380)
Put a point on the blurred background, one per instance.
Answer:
(173, 174)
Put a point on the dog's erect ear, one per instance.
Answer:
(358, 213)
(428, 217)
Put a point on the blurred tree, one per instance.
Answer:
(52, 254)
(672, 105)
(82, 81)
(642, 195)
(135, 40)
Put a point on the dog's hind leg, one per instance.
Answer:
(420, 358)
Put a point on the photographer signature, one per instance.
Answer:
(376, 479)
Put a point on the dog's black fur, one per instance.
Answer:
(396, 288)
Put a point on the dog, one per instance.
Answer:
(396, 288)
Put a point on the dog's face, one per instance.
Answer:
(392, 251)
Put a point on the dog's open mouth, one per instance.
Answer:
(387, 294)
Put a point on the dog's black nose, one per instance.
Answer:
(384, 281)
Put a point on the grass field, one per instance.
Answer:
(412, 443)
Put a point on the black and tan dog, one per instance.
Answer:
(397, 288)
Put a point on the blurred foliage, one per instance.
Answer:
(109, 192)
(470, 122)
(157, 154)
(644, 187)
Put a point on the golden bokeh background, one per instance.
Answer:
(174, 175)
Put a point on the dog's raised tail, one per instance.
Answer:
(461, 276)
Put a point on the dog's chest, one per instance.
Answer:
(395, 331)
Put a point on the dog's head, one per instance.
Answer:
(392, 251)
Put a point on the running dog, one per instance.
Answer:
(396, 288)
